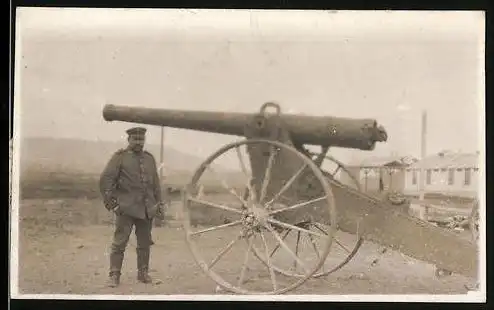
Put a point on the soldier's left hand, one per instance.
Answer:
(117, 210)
(160, 213)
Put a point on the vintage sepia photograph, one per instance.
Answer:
(164, 154)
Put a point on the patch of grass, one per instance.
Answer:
(60, 213)
(58, 185)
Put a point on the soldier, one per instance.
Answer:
(130, 188)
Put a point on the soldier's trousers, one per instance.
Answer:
(123, 229)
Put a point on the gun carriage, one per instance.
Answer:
(291, 208)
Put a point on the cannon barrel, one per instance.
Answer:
(313, 130)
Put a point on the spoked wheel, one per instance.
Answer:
(222, 231)
(346, 247)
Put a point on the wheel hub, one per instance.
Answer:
(255, 218)
(260, 213)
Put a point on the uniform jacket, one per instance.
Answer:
(130, 180)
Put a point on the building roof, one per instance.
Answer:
(384, 161)
(446, 160)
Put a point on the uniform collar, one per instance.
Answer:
(133, 152)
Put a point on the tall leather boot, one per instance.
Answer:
(143, 265)
(116, 260)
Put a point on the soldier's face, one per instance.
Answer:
(136, 142)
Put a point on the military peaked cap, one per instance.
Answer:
(136, 131)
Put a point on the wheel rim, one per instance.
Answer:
(344, 251)
(253, 221)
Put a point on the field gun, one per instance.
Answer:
(288, 190)
(311, 130)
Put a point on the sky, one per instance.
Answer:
(382, 65)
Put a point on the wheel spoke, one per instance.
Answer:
(235, 223)
(287, 185)
(283, 244)
(299, 205)
(278, 245)
(296, 250)
(341, 245)
(270, 267)
(214, 205)
(223, 252)
(316, 225)
(241, 161)
(267, 175)
(252, 194)
(314, 247)
(246, 260)
(313, 242)
(289, 226)
(225, 185)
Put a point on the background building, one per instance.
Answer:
(448, 173)
(390, 169)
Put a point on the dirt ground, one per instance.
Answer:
(64, 247)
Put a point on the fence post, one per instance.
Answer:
(159, 222)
